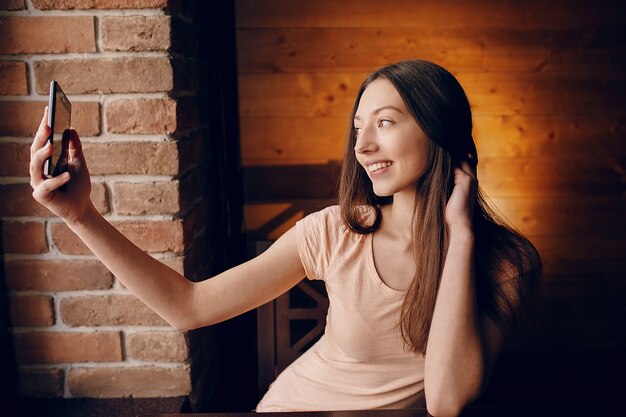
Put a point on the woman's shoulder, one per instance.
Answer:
(331, 220)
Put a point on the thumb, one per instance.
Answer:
(75, 148)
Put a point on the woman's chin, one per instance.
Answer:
(382, 193)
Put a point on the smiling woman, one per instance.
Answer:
(424, 282)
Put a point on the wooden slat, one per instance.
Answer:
(354, 50)
(552, 176)
(555, 135)
(362, 49)
(270, 220)
(298, 95)
(326, 94)
(292, 138)
(426, 13)
(571, 216)
(300, 138)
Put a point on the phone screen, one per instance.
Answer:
(59, 120)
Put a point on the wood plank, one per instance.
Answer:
(594, 288)
(353, 50)
(327, 94)
(570, 216)
(298, 95)
(270, 220)
(362, 49)
(540, 136)
(426, 13)
(293, 138)
(301, 138)
(503, 176)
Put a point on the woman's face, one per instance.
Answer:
(390, 145)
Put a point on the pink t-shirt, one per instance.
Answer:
(360, 362)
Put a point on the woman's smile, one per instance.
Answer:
(378, 167)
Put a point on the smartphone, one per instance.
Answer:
(59, 120)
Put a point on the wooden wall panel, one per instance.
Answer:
(546, 81)
(427, 13)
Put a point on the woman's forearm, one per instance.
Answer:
(454, 363)
(164, 290)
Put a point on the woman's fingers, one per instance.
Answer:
(43, 191)
(75, 148)
(42, 133)
(36, 164)
(467, 168)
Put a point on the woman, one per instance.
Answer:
(425, 282)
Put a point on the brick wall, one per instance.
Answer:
(77, 332)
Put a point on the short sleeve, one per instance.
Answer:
(315, 237)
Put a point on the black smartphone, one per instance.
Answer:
(59, 120)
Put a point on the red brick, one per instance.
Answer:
(108, 310)
(21, 118)
(86, 118)
(106, 75)
(141, 116)
(23, 237)
(53, 276)
(12, 5)
(98, 4)
(157, 346)
(38, 382)
(14, 159)
(57, 347)
(150, 236)
(42, 34)
(151, 158)
(135, 33)
(13, 78)
(31, 310)
(141, 382)
(18, 200)
(145, 198)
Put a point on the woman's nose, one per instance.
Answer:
(365, 142)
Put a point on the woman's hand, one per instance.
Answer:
(73, 202)
(460, 207)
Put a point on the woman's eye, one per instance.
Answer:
(384, 122)
(357, 130)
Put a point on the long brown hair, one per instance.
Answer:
(507, 266)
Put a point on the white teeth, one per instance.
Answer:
(379, 165)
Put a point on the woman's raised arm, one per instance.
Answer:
(182, 303)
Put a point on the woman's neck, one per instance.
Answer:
(398, 216)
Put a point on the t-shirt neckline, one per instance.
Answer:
(378, 281)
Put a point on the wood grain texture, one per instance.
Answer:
(467, 48)
(502, 93)
(292, 140)
(426, 13)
